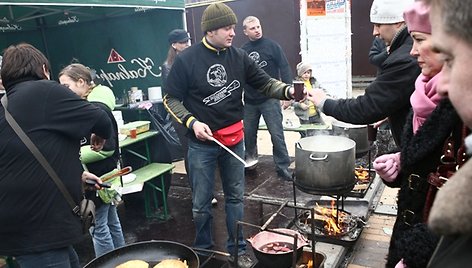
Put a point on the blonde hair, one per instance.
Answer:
(249, 19)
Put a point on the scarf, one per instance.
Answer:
(424, 99)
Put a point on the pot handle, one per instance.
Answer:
(313, 158)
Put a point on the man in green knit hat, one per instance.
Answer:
(204, 93)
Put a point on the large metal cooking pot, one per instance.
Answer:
(281, 259)
(151, 252)
(357, 133)
(325, 164)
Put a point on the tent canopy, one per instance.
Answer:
(29, 15)
(124, 41)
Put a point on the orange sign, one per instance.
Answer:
(316, 7)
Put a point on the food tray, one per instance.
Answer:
(140, 126)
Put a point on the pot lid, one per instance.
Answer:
(326, 144)
(347, 125)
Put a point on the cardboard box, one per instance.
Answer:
(140, 126)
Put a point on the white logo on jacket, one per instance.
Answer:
(216, 75)
(221, 94)
(257, 57)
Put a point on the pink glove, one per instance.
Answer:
(388, 166)
(400, 264)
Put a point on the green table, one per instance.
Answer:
(140, 137)
(144, 176)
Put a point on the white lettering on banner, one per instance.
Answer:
(10, 27)
(141, 9)
(145, 68)
(4, 20)
(69, 20)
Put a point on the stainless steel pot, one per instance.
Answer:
(325, 164)
(357, 133)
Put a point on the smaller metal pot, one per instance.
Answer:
(357, 133)
(277, 260)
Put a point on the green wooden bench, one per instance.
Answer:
(144, 177)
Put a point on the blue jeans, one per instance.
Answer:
(106, 234)
(56, 258)
(272, 113)
(203, 160)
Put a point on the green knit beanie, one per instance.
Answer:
(217, 15)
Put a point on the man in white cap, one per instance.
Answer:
(389, 94)
(204, 93)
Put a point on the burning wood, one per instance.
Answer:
(362, 174)
(332, 221)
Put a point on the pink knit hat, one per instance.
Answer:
(417, 18)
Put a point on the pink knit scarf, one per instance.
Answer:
(424, 99)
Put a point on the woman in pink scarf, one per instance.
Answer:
(430, 123)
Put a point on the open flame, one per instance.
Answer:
(332, 218)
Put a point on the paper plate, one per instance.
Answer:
(289, 124)
(128, 178)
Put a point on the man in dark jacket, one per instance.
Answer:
(389, 94)
(270, 57)
(37, 225)
(206, 97)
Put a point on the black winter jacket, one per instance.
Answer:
(206, 84)
(34, 216)
(420, 156)
(271, 58)
(388, 95)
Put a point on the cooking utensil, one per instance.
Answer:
(231, 152)
(357, 133)
(281, 259)
(118, 173)
(151, 252)
(325, 164)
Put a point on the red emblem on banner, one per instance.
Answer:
(115, 57)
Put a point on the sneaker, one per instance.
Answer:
(214, 202)
(244, 261)
(285, 174)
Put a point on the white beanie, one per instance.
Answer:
(388, 11)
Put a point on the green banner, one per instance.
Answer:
(125, 50)
(109, 3)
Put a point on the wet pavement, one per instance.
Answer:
(263, 188)
(180, 227)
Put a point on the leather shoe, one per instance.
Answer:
(285, 174)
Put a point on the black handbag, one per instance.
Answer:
(86, 209)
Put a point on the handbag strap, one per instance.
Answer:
(39, 156)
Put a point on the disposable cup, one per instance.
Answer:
(298, 87)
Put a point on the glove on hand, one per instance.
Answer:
(387, 166)
(400, 264)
